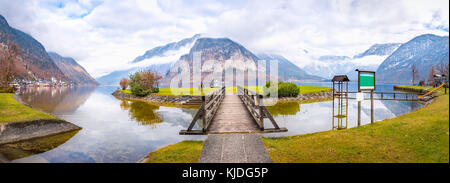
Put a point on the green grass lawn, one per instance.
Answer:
(313, 89)
(12, 110)
(429, 88)
(182, 152)
(127, 91)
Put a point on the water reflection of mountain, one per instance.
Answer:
(400, 107)
(284, 108)
(9, 152)
(56, 100)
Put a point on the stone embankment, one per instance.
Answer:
(414, 90)
(309, 97)
(18, 131)
(426, 99)
(179, 100)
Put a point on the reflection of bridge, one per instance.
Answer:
(387, 96)
(231, 113)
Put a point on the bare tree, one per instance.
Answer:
(414, 73)
(442, 69)
(7, 63)
(431, 76)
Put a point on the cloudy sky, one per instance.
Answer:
(104, 35)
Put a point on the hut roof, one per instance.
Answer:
(340, 78)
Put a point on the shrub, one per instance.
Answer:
(124, 83)
(285, 89)
(155, 90)
(139, 91)
(142, 82)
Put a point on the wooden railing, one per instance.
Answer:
(206, 112)
(382, 95)
(430, 92)
(252, 101)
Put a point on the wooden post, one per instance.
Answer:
(333, 91)
(394, 95)
(371, 106)
(359, 111)
(332, 117)
(203, 113)
(261, 111)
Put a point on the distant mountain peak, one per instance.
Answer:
(74, 71)
(3, 21)
(161, 50)
(379, 49)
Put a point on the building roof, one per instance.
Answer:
(340, 78)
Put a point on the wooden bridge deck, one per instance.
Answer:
(233, 117)
(223, 112)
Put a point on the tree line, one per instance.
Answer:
(436, 75)
(9, 54)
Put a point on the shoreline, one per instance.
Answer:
(409, 89)
(18, 131)
(186, 100)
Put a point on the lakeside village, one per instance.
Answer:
(18, 83)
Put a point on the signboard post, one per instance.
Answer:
(366, 81)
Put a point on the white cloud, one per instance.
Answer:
(106, 35)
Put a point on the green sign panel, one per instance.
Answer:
(366, 80)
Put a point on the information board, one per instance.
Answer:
(366, 80)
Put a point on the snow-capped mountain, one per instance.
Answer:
(164, 50)
(288, 71)
(327, 66)
(380, 50)
(423, 51)
(170, 56)
(159, 59)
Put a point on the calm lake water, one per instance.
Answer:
(113, 130)
(126, 131)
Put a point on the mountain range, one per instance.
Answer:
(164, 58)
(35, 63)
(329, 65)
(75, 72)
(424, 52)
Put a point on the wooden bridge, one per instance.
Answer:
(222, 113)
